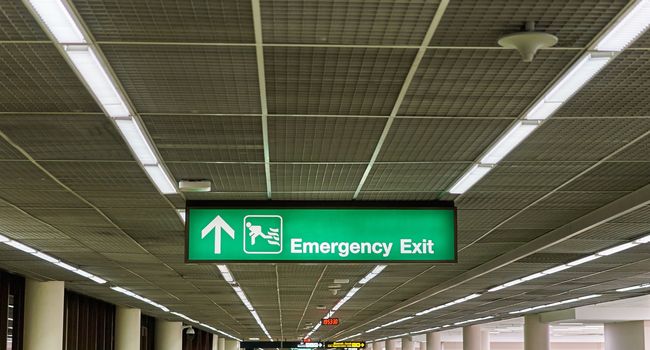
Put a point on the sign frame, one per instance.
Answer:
(271, 204)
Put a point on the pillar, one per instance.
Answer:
(215, 342)
(232, 344)
(423, 345)
(407, 343)
(434, 341)
(629, 335)
(536, 333)
(222, 343)
(127, 328)
(472, 337)
(380, 345)
(485, 339)
(391, 344)
(370, 346)
(169, 335)
(44, 315)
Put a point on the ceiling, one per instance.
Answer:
(365, 100)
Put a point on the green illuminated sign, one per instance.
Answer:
(300, 231)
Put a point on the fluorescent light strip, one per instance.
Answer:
(573, 80)
(351, 336)
(451, 303)
(563, 302)
(160, 178)
(184, 317)
(227, 275)
(58, 20)
(63, 25)
(136, 139)
(85, 60)
(517, 133)
(606, 252)
(139, 297)
(470, 178)
(52, 260)
(426, 330)
(640, 286)
(627, 29)
(369, 276)
(474, 320)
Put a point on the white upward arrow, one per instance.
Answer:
(218, 225)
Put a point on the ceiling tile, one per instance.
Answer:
(313, 139)
(480, 82)
(196, 79)
(421, 139)
(482, 23)
(207, 138)
(168, 21)
(368, 22)
(36, 78)
(335, 81)
(316, 177)
(66, 137)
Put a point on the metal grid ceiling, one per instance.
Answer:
(334, 71)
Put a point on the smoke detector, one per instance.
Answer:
(528, 42)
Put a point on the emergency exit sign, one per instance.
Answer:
(320, 232)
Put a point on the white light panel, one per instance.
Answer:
(58, 21)
(517, 133)
(627, 29)
(160, 178)
(470, 178)
(137, 141)
(85, 60)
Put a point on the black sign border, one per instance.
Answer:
(272, 204)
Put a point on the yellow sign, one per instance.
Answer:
(345, 344)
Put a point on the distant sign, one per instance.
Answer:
(345, 344)
(320, 232)
(330, 322)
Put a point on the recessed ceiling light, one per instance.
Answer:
(341, 280)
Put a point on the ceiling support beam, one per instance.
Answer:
(259, 51)
(405, 87)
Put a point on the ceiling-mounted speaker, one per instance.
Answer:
(195, 185)
(528, 42)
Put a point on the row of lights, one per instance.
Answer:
(55, 261)
(606, 252)
(230, 279)
(367, 278)
(627, 29)
(66, 29)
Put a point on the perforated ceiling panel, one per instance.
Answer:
(347, 22)
(333, 115)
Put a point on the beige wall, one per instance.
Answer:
(520, 346)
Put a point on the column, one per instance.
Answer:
(423, 345)
(169, 335)
(434, 341)
(232, 344)
(485, 339)
(391, 344)
(472, 337)
(629, 335)
(370, 346)
(380, 345)
(536, 333)
(127, 328)
(407, 343)
(222, 343)
(215, 342)
(44, 315)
